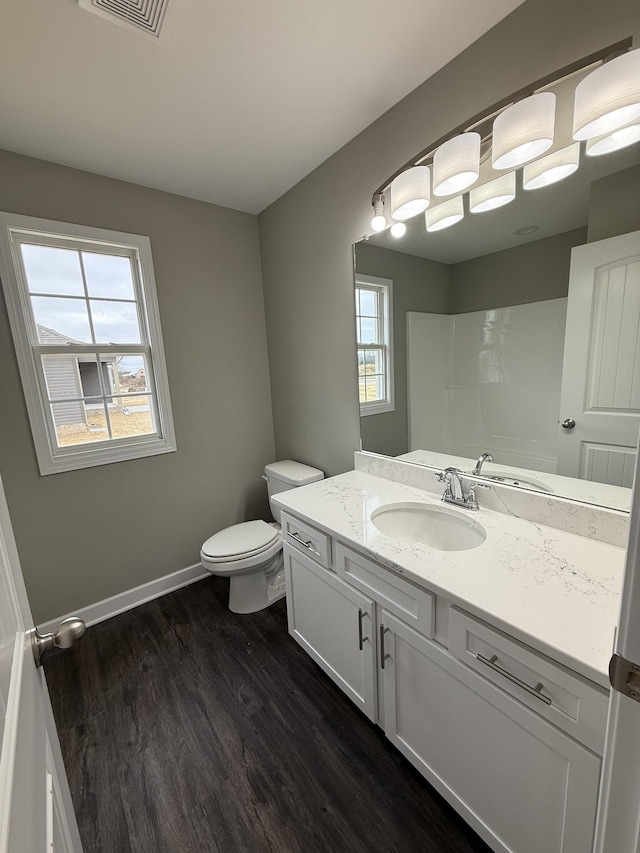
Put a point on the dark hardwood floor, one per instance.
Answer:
(187, 728)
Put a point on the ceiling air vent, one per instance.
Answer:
(141, 16)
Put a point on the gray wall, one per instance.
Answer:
(86, 535)
(615, 204)
(529, 273)
(418, 285)
(307, 235)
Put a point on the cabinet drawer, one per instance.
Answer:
(415, 606)
(569, 701)
(307, 539)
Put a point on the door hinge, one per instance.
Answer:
(624, 676)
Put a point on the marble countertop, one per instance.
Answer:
(553, 590)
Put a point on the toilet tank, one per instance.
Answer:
(281, 476)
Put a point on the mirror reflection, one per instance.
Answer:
(513, 333)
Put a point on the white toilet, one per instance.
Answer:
(250, 554)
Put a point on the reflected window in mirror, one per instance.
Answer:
(374, 324)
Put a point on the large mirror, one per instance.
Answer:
(515, 332)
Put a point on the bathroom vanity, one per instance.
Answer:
(486, 667)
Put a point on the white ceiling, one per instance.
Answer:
(236, 102)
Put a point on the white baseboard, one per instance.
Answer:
(101, 610)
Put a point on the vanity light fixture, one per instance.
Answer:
(609, 97)
(552, 168)
(494, 194)
(379, 222)
(398, 229)
(609, 142)
(456, 164)
(410, 192)
(524, 131)
(444, 215)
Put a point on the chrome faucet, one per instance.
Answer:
(454, 489)
(485, 457)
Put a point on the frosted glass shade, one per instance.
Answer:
(410, 193)
(613, 141)
(444, 215)
(608, 98)
(554, 167)
(456, 164)
(500, 191)
(524, 131)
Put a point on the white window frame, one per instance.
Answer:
(52, 459)
(385, 287)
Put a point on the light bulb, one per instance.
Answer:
(378, 223)
(398, 229)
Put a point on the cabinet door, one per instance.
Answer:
(523, 785)
(334, 623)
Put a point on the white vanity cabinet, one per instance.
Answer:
(507, 771)
(514, 745)
(333, 623)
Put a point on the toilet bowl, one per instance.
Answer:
(250, 553)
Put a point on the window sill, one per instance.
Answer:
(83, 457)
(377, 409)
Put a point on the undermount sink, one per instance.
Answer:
(435, 526)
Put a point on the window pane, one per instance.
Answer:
(61, 321)
(50, 270)
(374, 382)
(64, 376)
(368, 303)
(132, 416)
(76, 423)
(108, 275)
(369, 331)
(115, 322)
(125, 374)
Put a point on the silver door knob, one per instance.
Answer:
(69, 632)
(568, 423)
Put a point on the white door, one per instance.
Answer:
(36, 813)
(601, 371)
(618, 825)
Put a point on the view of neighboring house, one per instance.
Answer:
(74, 376)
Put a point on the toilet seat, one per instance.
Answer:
(240, 540)
(241, 547)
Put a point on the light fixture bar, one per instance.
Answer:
(566, 71)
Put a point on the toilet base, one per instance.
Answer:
(252, 592)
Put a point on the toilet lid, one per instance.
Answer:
(244, 539)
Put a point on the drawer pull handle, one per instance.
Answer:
(361, 640)
(383, 655)
(308, 545)
(533, 691)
